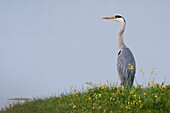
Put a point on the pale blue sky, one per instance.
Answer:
(48, 45)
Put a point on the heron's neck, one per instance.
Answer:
(121, 43)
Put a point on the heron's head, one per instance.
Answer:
(117, 18)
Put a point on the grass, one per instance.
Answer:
(100, 99)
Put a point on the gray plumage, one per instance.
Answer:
(126, 67)
(126, 62)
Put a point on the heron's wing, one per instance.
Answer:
(125, 59)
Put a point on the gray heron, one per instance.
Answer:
(126, 66)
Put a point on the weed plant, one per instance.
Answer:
(102, 98)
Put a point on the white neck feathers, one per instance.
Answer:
(121, 44)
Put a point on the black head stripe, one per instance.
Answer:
(118, 16)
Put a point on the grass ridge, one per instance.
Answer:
(102, 98)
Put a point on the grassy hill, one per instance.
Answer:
(104, 98)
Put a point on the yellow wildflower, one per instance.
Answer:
(112, 98)
(131, 67)
(52, 98)
(60, 98)
(159, 85)
(103, 86)
(104, 111)
(152, 85)
(153, 81)
(141, 87)
(134, 95)
(153, 69)
(156, 96)
(117, 92)
(74, 106)
(127, 107)
(131, 92)
(111, 111)
(140, 107)
(163, 86)
(140, 69)
(144, 94)
(100, 107)
(121, 86)
(89, 98)
(134, 85)
(93, 108)
(99, 95)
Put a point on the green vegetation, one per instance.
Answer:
(101, 98)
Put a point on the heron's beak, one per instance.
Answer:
(109, 18)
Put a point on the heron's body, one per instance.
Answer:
(125, 62)
(126, 66)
